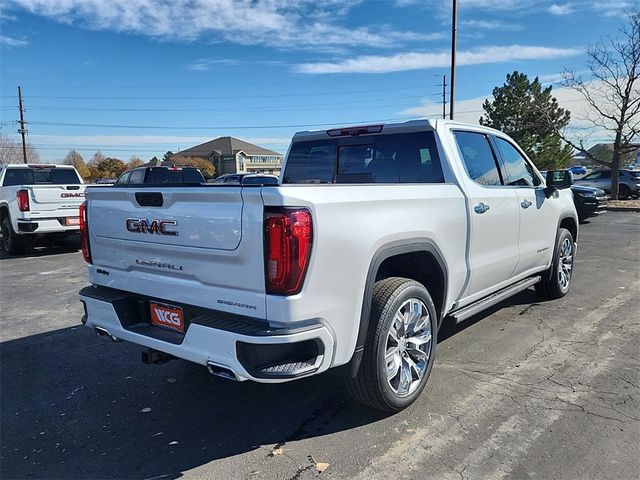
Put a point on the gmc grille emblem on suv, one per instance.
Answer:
(158, 227)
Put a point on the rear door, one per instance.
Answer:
(600, 180)
(493, 216)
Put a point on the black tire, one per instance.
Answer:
(12, 243)
(552, 285)
(371, 385)
(624, 192)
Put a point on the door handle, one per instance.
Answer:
(525, 203)
(481, 208)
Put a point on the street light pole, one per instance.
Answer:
(454, 35)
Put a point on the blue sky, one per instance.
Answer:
(95, 72)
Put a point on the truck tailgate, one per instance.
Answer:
(195, 245)
(48, 198)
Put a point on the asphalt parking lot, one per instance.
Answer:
(528, 389)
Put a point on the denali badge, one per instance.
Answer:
(151, 263)
(159, 227)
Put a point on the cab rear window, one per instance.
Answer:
(41, 176)
(391, 158)
(178, 175)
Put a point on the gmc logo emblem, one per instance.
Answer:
(72, 195)
(158, 227)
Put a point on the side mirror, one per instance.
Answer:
(558, 180)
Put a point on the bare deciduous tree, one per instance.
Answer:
(612, 92)
(11, 151)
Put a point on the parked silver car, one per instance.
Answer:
(629, 182)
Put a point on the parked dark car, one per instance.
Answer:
(161, 175)
(247, 179)
(589, 201)
(628, 186)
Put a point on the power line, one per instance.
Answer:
(334, 105)
(222, 97)
(218, 127)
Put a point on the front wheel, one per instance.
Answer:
(400, 347)
(556, 281)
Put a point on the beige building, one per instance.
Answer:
(232, 155)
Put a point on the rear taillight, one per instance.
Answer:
(84, 233)
(288, 238)
(23, 200)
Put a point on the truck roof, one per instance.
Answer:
(388, 127)
(35, 165)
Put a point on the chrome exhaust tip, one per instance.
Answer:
(104, 333)
(220, 371)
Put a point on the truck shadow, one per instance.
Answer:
(76, 406)
(43, 247)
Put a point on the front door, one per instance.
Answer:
(538, 218)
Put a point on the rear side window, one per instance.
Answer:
(35, 176)
(393, 158)
(124, 178)
(478, 158)
(137, 176)
(519, 172)
(191, 175)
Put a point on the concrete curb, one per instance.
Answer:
(623, 209)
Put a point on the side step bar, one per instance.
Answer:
(491, 300)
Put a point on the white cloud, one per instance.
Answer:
(12, 41)
(492, 5)
(612, 8)
(490, 25)
(423, 60)
(285, 24)
(560, 9)
(206, 64)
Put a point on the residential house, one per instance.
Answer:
(232, 155)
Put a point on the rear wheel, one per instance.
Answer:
(11, 241)
(556, 281)
(400, 347)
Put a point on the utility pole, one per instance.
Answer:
(444, 97)
(22, 131)
(454, 35)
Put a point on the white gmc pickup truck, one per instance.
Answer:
(38, 200)
(374, 235)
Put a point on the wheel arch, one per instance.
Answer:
(417, 259)
(570, 223)
(4, 211)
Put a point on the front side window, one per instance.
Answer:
(478, 158)
(518, 171)
(391, 158)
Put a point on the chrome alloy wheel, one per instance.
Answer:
(565, 264)
(408, 347)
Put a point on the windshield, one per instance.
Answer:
(41, 176)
